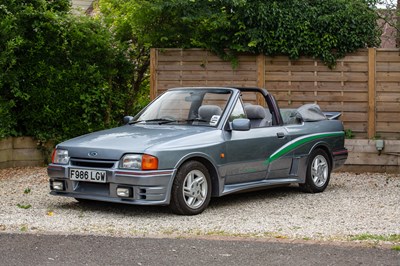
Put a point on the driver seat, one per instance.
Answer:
(208, 111)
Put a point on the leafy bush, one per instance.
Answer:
(61, 75)
(324, 29)
(7, 122)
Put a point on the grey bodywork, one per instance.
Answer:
(237, 158)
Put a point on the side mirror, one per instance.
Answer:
(127, 119)
(241, 124)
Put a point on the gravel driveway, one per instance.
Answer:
(354, 207)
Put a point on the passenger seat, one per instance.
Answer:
(258, 116)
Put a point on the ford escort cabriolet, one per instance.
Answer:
(191, 144)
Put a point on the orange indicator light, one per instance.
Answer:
(149, 162)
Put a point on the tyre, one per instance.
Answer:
(318, 172)
(191, 190)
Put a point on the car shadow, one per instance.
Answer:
(254, 195)
(114, 208)
(227, 201)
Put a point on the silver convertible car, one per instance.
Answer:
(191, 144)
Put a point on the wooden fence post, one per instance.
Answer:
(371, 93)
(153, 73)
(260, 77)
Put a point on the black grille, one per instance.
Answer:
(93, 164)
(99, 189)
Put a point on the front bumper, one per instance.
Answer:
(148, 187)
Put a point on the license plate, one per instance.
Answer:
(87, 175)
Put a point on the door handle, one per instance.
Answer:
(280, 135)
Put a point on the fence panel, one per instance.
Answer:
(388, 93)
(196, 67)
(343, 89)
(364, 86)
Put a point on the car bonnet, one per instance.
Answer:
(113, 143)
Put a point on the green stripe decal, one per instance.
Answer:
(293, 144)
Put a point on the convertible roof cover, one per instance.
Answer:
(310, 113)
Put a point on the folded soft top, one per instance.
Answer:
(310, 112)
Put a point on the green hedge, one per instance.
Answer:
(324, 29)
(61, 75)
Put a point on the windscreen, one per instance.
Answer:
(187, 106)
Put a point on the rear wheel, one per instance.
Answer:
(318, 172)
(191, 190)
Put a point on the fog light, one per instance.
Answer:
(124, 192)
(58, 185)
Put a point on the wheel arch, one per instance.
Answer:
(325, 147)
(309, 184)
(209, 164)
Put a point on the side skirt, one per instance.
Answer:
(232, 188)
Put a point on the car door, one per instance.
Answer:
(248, 152)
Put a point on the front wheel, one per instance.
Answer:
(191, 190)
(318, 172)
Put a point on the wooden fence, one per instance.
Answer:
(364, 86)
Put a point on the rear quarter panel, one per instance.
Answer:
(326, 134)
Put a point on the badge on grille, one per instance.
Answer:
(93, 153)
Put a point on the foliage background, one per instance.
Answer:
(63, 75)
(323, 29)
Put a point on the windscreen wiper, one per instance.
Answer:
(196, 120)
(160, 121)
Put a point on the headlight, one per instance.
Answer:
(60, 157)
(131, 161)
(139, 162)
